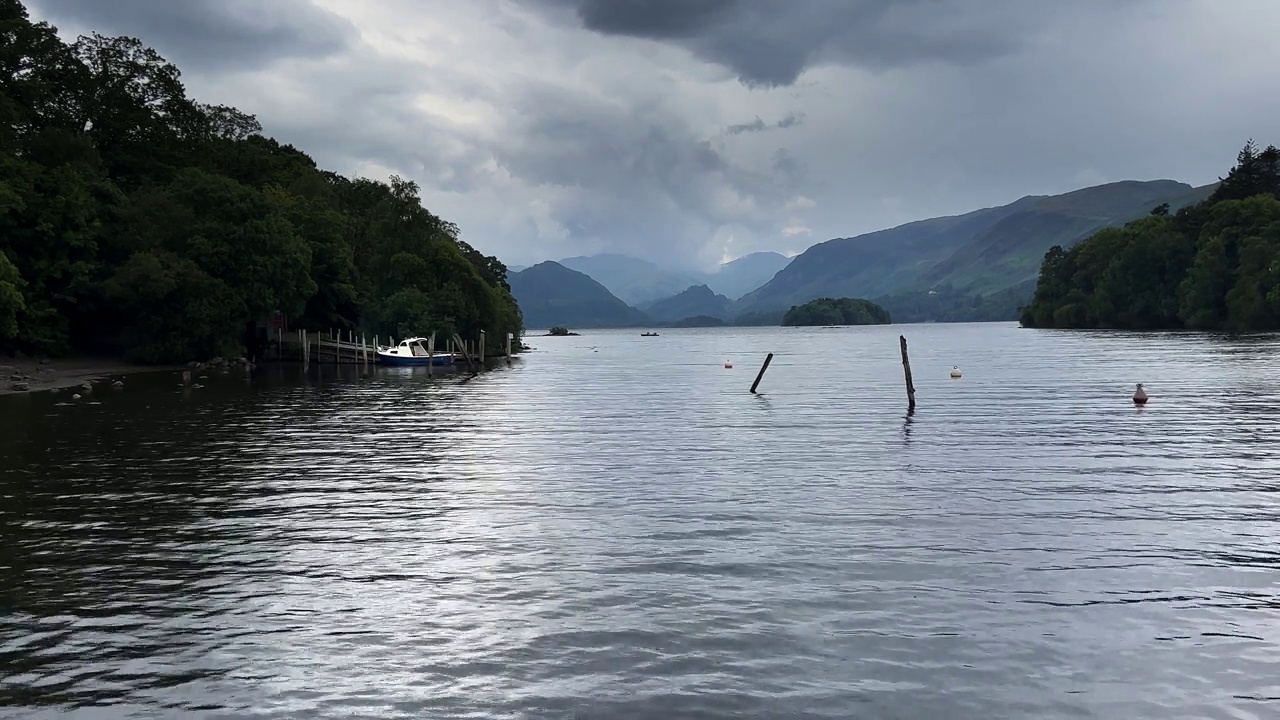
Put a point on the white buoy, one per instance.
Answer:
(955, 371)
(1140, 396)
(728, 364)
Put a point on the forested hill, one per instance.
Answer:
(136, 221)
(1212, 266)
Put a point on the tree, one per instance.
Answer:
(1213, 266)
(11, 301)
(134, 220)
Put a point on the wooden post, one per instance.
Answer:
(906, 370)
(508, 348)
(431, 354)
(767, 359)
(482, 347)
(457, 339)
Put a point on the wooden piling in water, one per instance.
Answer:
(767, 359)
(906, 370)
(458, 341)
(482, 348)
(509, 348)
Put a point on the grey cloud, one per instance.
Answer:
(211, 35)
(791, 120)
(770, 42)
(643, 181)
(758, 125)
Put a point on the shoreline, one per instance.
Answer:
(42, 375)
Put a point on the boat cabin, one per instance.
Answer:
(410, 347)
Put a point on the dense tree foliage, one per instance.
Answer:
(136, 221)
(1212, 266)
(946, 304)
(836, 311)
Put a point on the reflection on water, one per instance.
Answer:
(615, 528)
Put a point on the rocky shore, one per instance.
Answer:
(21, 375)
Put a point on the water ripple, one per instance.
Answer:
(614, 528)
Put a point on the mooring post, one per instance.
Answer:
(767, 359)
(481, 347)
(509, 348)
(458, 341)
(906, 370)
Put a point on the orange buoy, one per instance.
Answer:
(1140, 396)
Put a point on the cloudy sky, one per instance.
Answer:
(691, 131)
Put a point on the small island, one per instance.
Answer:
(836, 311)
(560, 331)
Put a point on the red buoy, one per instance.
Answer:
(1140, 397)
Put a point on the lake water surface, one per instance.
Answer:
(614, 527)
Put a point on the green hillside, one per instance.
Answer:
(1009, 252)
(972, 261)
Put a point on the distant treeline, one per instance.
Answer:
(1212, 266)
(946, 304)
(135, 221)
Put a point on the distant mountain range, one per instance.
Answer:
(640, 282)
(551, 294)
(978, 266)
(697, 300)
(973, 255)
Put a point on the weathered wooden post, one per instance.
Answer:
(906, 370)
(509, 348)
(459, 342)
(768, 359)
(481, 348)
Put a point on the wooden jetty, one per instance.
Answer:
(338, 347)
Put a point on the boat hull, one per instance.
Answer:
(385, 358)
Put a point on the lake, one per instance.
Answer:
(614, 527)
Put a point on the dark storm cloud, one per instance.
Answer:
(210, 35)
(770, 42)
